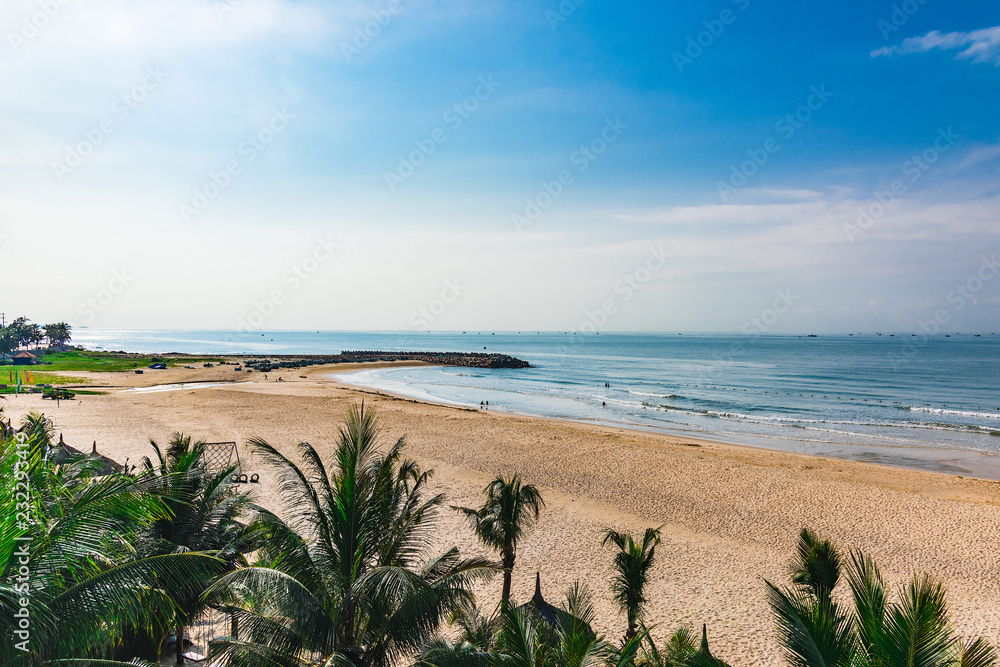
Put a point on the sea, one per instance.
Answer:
(916, 401)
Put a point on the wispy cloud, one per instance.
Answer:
(794, 226)
(979, 46)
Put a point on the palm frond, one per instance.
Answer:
(817, 566)
(812, 633)
(977, 653)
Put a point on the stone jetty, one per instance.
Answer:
(467, 359)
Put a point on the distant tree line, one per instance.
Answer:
(22, 332)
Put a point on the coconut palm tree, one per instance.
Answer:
(20, 329)
(343, 578)
(204, 508)
(677, 649)
(472, 648)
(632, 564)
(57, 333)
(814, 629)
(67, 547)
(524, 640)
(37, 334)
(8, 340)
(508, 515)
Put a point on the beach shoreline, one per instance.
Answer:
(327, 373)
(950, 462)
(730, 513)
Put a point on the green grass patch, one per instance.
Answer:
(39, 377)
(96, 361)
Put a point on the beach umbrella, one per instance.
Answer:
(108, 465)
(552, 617)
(64, 453)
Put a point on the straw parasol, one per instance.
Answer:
(551, 616)
(63, 453)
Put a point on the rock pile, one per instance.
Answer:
(467, 359)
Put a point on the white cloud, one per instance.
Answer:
(781, 194)
(119, 27)
(979, 155)
(979, 46)
(792, 227)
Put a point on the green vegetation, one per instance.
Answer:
(509, 514)
(99, 567)
(22, 332)
(97, 361)
(39, 380)
(347, 580)
(814, 628)
(203, 510)
(40, 377)
(632, 565)
(80, 578)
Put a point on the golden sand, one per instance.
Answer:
(730, 514)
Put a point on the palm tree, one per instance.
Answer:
(815, 629)
(8, 340)
(677, 649)
(67, 544)
(64, 333)
(524, 640)
(343, 578)
(508, 515)
(632, 564)
(20, 330)
(203, 511)
(817, 567)
(58, 333)
(473, 647)
(35, 334)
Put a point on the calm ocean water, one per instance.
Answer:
(922, 402)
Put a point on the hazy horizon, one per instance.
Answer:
(941, 332)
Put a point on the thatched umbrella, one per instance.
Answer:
(61, 453)
(107, 465)
(551, 616)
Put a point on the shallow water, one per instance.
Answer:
(923, 402)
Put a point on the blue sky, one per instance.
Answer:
(249, 137)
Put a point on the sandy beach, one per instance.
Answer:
(730, 514)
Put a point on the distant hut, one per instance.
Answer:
(24, 358)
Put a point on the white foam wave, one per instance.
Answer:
(959, 413)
